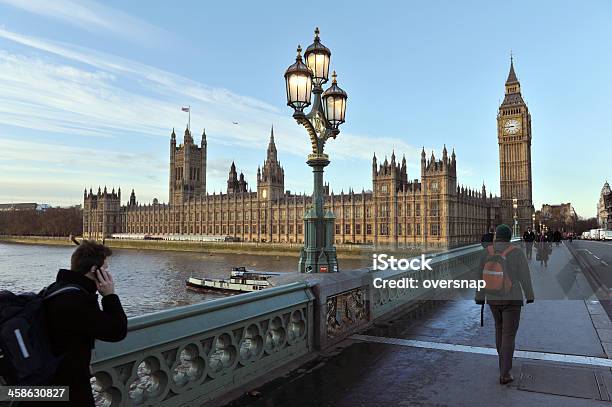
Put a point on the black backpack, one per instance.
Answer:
(25, 352)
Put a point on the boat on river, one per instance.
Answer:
(241, 280)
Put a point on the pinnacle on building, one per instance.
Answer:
(235, 184)
(271, 177)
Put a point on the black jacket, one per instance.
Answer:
(529, 236)
(75, 321)
(518, 271)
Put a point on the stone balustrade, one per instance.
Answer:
(190, 355)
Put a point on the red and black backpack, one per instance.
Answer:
(494, 272)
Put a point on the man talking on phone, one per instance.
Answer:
(75, 319)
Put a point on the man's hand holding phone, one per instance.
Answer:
(104, 282)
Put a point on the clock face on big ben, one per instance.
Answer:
(264, 194)
(512, 126)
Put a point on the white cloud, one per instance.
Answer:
(44, 95)
(80, 157)
(94, 17)
(70, 99)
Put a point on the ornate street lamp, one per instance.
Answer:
(298, 79)
(334, 103)
(327, 113)
(317, 57)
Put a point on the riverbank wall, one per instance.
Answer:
(265, 249)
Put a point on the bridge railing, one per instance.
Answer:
(192, 354)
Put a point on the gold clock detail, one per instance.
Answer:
(512, 126)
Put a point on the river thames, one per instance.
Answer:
(145, 280)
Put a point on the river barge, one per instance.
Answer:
(241, 280)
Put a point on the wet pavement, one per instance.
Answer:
(560, 326)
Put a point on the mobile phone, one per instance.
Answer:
(96, 274)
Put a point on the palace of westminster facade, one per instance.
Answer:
(434, 211)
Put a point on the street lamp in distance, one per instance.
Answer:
(515, 207)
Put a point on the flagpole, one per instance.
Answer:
(189, 124)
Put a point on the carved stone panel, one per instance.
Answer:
(346, 311)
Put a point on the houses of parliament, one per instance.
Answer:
(433, 211)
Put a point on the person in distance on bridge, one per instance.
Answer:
(505, 270)
(557, 237)
(543, 249)
(529, 238)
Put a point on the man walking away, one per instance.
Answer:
(75, 320)
(529, 238)
(506, 272)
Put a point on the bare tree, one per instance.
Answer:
(50, 222)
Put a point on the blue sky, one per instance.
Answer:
(89, 92)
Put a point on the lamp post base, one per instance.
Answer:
(318, 254)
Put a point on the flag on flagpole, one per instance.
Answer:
(188, 110)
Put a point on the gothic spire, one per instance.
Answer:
(272, 156)
(511, 75)
(187, 137)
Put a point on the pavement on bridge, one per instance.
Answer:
(416, 362)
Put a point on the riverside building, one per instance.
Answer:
(432, 211)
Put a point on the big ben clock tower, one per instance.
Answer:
(514, 138)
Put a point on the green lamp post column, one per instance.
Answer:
(304, 80)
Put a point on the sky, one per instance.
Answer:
(90, 91)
